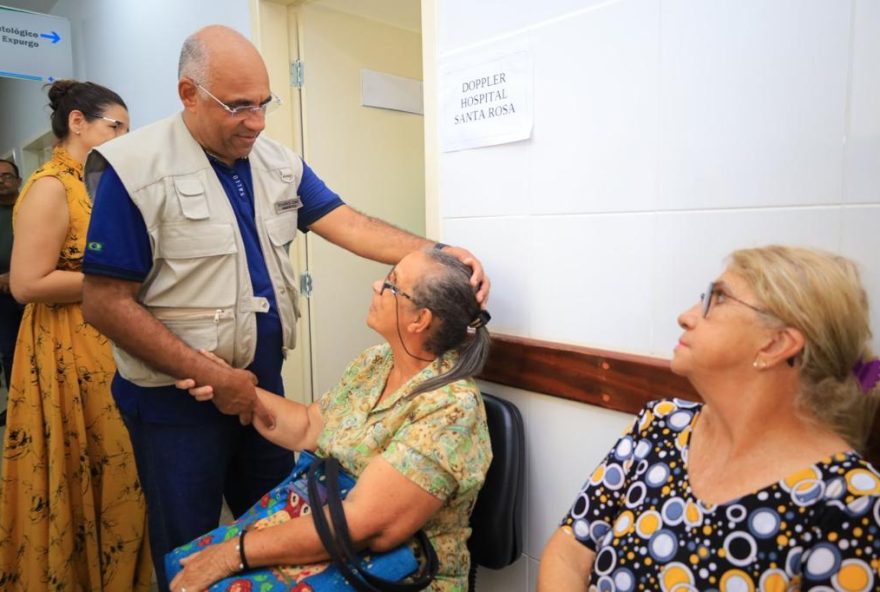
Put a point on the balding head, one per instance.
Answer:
(221, 71)
(214, 45)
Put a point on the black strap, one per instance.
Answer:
(321, 524)
(338, 541)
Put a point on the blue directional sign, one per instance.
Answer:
(34, 46)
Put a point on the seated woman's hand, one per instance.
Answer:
(205, 567)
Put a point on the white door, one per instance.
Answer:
(374, 159)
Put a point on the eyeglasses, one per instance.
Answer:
(713, 292)
(243, 111)
(387, 285)
(118, 126)
(8, 176)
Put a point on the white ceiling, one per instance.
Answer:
(43, 6)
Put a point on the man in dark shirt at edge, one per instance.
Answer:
(10, 310)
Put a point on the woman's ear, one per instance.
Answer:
(422, 322)
(786, 344)
(75, 121)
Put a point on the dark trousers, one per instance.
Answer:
(10, 319)
(186, 471)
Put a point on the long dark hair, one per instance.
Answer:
(448, 294)
(86, 97)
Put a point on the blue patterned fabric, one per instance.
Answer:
(287, 501)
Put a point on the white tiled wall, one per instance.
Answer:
(862, 151)
(596, 110)
(667, 133)
(753, 102)
(465, 23)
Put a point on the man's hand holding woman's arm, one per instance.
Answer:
(294, 426)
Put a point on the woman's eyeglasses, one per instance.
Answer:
(712, 294)
(118, 126)
(387, 285)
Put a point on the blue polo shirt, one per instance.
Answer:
(126, 254)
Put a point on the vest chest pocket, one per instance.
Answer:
(281, 230)
(189, 241)
(195, 265)
(192, 199)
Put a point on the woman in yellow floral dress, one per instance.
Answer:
(72, 514)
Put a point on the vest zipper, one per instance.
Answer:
(190, 314)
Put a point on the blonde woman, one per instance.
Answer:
(760, 487)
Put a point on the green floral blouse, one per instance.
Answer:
(438, 439)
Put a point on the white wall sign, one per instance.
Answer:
(487, 103)
(34, 46)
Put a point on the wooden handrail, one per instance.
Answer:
(613, 380)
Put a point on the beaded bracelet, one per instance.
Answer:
(243, 564)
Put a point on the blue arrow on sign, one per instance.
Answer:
(55, 37)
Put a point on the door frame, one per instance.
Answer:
(272, 28)
(268, 18)
(431, 98)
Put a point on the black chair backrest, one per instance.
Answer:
(496, 539)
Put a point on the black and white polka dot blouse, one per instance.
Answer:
(817, 529)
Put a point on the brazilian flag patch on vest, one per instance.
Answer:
(95, 246)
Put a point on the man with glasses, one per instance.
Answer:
(10, 310)
(188, 250)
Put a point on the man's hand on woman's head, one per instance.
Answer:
(479, 279)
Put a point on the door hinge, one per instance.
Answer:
(305, 284)
(296, 73)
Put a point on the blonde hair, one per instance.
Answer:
(820, 294)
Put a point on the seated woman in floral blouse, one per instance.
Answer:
(760, 487)
(406, 420)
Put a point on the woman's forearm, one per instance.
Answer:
(293, 543)
(56, 287)
(296, 425)
(296, 542)
(565, 564)
(383, 510)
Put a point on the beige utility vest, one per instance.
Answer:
(199, 285)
